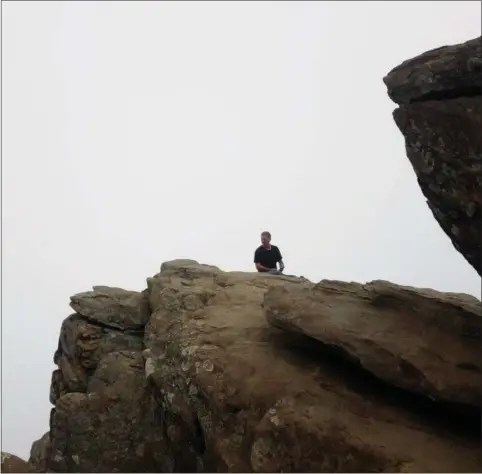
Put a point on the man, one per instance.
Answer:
(267, 256)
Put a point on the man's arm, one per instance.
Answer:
(261, 268)
(280, 261)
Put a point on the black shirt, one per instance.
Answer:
(267, 258)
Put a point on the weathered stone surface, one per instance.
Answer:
(114, 307)
(40, 453)
(444, 145)
(103, 409)
(179, 263)
(239, 395)
(445, 72)
(115, 427)
(440, 116)
(12, 463)
(81, 346)
(423, 341)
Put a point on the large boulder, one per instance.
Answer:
(240, 395)
(420, 340)
(440, 115)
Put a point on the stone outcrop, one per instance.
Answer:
(39, 453)
(12, 463)
(104, 418)
(115, 426)
(231, 373)
(212, 371)
(247, 401)
(440, 115)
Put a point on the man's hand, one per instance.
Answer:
(281, 266)
(261, 267)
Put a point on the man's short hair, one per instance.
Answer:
(267, 234)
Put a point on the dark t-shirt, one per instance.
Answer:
(267, 258)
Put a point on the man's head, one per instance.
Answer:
(265, 238)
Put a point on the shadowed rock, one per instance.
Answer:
(114, 427)
(82, 344)
(40, 453)
(423, 341)
(442, 73)
(104, 418)
(440, 116)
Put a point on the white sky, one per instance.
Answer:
(135, 133)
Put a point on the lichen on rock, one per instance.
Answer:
(439, 94)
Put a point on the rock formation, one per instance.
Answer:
(12, 463)
(440, 115)
(423, 341)
(40, 452)
(104, 418)
(250, 372)
(212, 371)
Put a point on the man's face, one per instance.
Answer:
(265, 240)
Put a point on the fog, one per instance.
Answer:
(135, 133)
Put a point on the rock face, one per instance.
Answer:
(247, 401)
(231, 374)
(39, 453)
(104, 418)
(440, 115)
(114, 427)
(423, 341)
(12, 463)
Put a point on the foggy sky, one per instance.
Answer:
(135, 133)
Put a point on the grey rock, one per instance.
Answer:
(440, 116)
(441, 73)
(82, 344)
(114, 307)
(40, 453)
(115, 427)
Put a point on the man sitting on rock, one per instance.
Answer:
(267, 256)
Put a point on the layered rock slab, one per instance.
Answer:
(104, 418)
(236, 397)
(113, 307)
(441, 73)
(440, 116)
(423, 341)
